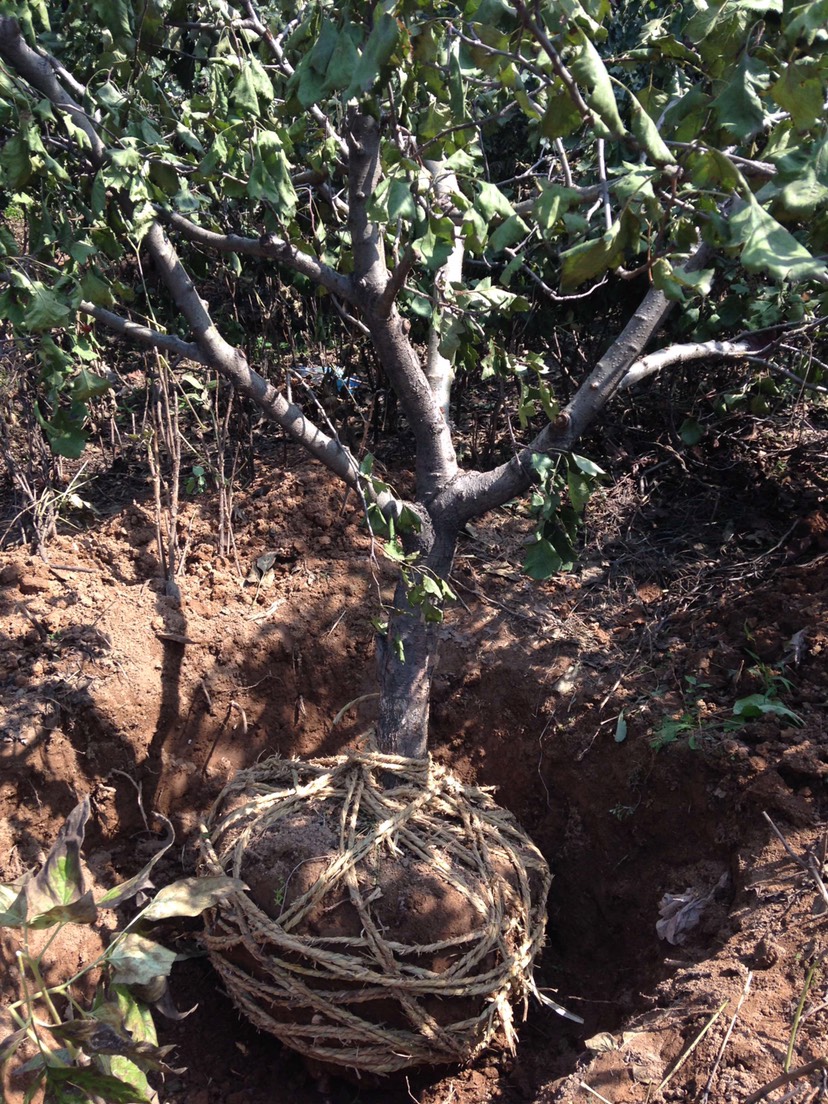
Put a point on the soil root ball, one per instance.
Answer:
(393, 914)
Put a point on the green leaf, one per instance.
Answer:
(343, 63)
(66, 434)
(561, 117)
(45, 310)
(806, 22)
(768, 247)
(800, 198)
(589, 70)
(593, 258)
(690, 432)
(375, 56)
(437, 243)
(801, 91)
(588, 467)
(511, 231)
(579, 489)
(621, 728)
(711, 168)
(646, 134)
(92, 1084)
(400, 201)
(739, 107)
(760, 705)
(541, 560)
(15, 164)
(491, 202)
(270, 175)
(191, 896)
(87, 385)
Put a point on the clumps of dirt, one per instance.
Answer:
(390, 922)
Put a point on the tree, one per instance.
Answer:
(679, 151)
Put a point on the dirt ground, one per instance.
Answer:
(702, 584)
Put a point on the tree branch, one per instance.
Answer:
(233, 365)
(153, 339)
(474, 493)
(395, 283)
(574, 92)
(440, 369)
(436, 463)
(268, 245)
(370, 271)
(684, 354)
(40, 73)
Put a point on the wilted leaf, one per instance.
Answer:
(270, 175)
(60, 881)
(601, 1043)
(10, 1043)
(92, 1083)
(646, 134)
(12, 906)
(589, 70)
(93, 1036)
(541, 560)
(376, 54)
(769, 247)
(123, 892)
(137, 960)
(680, 913)
(191, 896)
(82, 911)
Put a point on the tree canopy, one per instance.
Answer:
(434, 172)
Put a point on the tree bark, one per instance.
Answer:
(407, 652)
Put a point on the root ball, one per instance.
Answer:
(387, 924)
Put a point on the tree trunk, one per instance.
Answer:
(407, 652)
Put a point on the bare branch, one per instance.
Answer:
(268, 245)
(683, 354)
(233, 365)
(745, 164)
(602, 176)
(439, 368)
(153, 339)
(395, 283)
(474, 493)
(744, 348)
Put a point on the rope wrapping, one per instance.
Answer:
(386, 925)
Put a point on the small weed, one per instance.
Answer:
(622, 812)
(196, 482)
(690, 725)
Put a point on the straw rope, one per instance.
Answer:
(308, 989)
